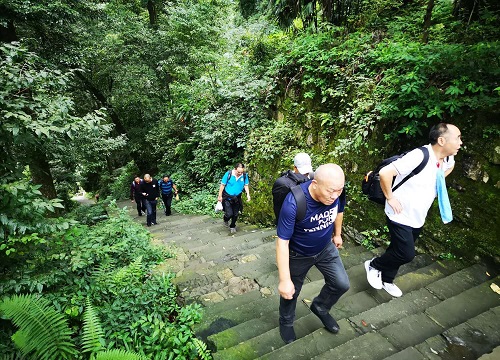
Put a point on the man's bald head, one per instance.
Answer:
(328, 183)
(328, 171)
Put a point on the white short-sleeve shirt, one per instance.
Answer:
(417, 194)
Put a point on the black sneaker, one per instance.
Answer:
(287, 334)
(327, 320)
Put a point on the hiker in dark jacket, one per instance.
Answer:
(135, 195)
(151, 192)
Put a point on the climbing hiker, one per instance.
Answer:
(406, 208)
(150, 191)
(232, 185)
(167, 188)
(312, 241)
(135, 195)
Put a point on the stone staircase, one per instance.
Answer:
(448, 311)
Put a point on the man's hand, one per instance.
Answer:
(248, 197)
(286, 289)
(219, 198)
(337, 240)
(395, 205)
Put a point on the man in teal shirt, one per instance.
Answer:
(232, 184)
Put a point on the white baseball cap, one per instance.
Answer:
(302, 162)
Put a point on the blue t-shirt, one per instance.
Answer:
(234, 186)
(166, 187)
(309, 236)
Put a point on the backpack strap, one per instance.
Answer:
(300, 199)
(418, 169)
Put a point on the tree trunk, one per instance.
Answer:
(153, 14)
(8, 33)
(427, 21)
(40, 171)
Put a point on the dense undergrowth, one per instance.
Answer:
(109, 265)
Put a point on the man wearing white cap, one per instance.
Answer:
(302, 171)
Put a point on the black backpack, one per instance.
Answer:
(289, 181)
(371, 182)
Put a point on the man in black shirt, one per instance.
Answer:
(135, 194)
(150, 191)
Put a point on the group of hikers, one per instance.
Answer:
(146, 192)
(309, 211)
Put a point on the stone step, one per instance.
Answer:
(212, 311)
(247, 270)
(350, 304)
(179, 235)
(194, 227)
(409, 329)
(173, 224)
(202, 245)
(371, 346)
(199, 266)
(357, 276)
(362, 305)
(214, 247)
(309, 290)
(257, 257)
(419, 300)
(200, 278)
(465, 305)
(199, 230)
(266, 262)
(469, 340)
(455, 310)
(269, 322)
(232, 312)
(232, 251)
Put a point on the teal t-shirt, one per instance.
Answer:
(235, 185)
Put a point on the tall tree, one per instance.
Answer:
(38, 116)
(427, 21)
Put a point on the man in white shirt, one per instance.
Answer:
(406, 208)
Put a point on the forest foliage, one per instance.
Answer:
(94, 92)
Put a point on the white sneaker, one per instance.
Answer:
(373, 276)
(392, 289)
(233, 230)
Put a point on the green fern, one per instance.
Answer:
(93, 334)
(118, 355)
(11, 357)
(127, 275)
(42, 332)
(201, 349)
